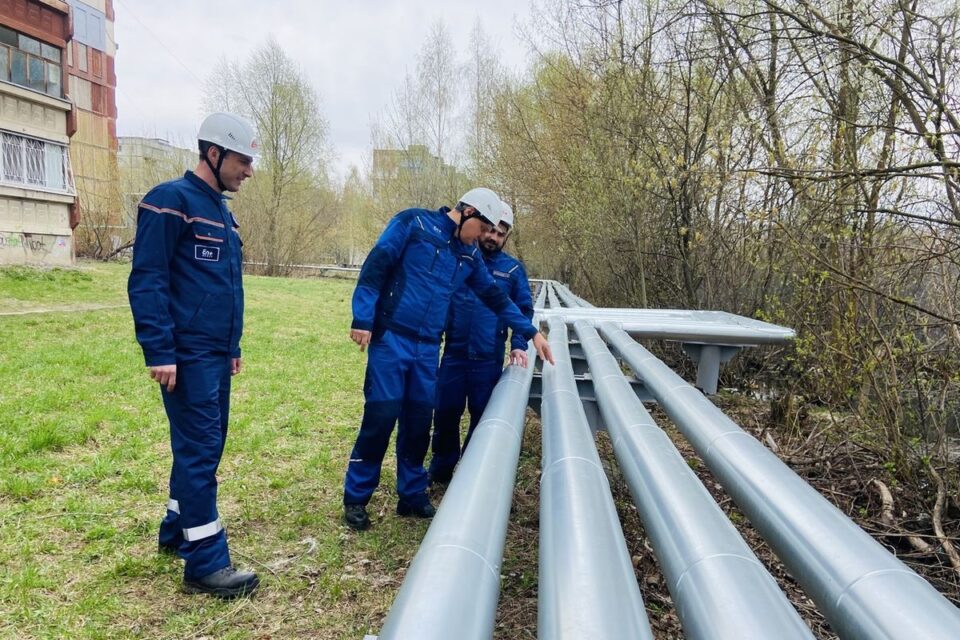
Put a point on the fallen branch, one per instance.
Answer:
(945, 542)
(887, 517)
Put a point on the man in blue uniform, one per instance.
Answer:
(400, 308)
(187, 300)
(473, 349)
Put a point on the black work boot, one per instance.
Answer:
(225, 583)
(441, 478)
(419, 510)
(355, 516)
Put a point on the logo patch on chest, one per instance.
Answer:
(209, 254)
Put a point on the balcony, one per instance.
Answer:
(34, 164)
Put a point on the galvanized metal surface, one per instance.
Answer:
(570, 298)
(453, 583)
(587, 587)
(720, 588)
(553, 300)
(862, 589)
(706, 327)
(541, 296)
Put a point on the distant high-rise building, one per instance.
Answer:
(414, 177)
(37, 195)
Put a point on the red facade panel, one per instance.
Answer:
(38, 20)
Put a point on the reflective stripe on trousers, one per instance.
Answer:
(198, 410)
(204, 531)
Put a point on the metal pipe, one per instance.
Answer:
(587, 585)
(553, 301)
(689, 326)
(862, 589)
(720, 588)
(570, 298)
(453, 584)
(541, 296)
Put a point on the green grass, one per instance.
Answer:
(84, 458)
(91, 284)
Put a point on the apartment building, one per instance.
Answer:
(37, 194)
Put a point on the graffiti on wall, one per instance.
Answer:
(19, 247)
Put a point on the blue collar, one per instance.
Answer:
(490, 257)
(203, 186)
(450, 228)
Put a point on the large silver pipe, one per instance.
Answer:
(588, 590)
(453, 584)
(570, 298)
(861, 589)
(719, 587)
(553, 301)
(541, 296)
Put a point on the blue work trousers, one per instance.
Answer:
(198, 410)
(399, 389)
(462, 383)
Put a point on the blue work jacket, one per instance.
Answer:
(473, 330)
(185, 286)
(408, 280)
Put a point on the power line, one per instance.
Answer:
(160, 41)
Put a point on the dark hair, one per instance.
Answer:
(205, 146)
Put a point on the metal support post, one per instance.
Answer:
(709, 357)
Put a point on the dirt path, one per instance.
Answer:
(65, 308)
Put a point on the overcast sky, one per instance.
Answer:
(354, 54)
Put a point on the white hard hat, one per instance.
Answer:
(507, 217)
(230, 132)
(486, 202)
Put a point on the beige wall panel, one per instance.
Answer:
(36, 249)
(34, 216)
(52, 120)
(95, 163)
(10, 217)
(92, 129)
(31, 114)
(80, 92)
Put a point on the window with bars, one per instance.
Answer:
(36, 164)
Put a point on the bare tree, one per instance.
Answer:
(288, 207)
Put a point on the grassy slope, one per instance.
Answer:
(84, 458)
